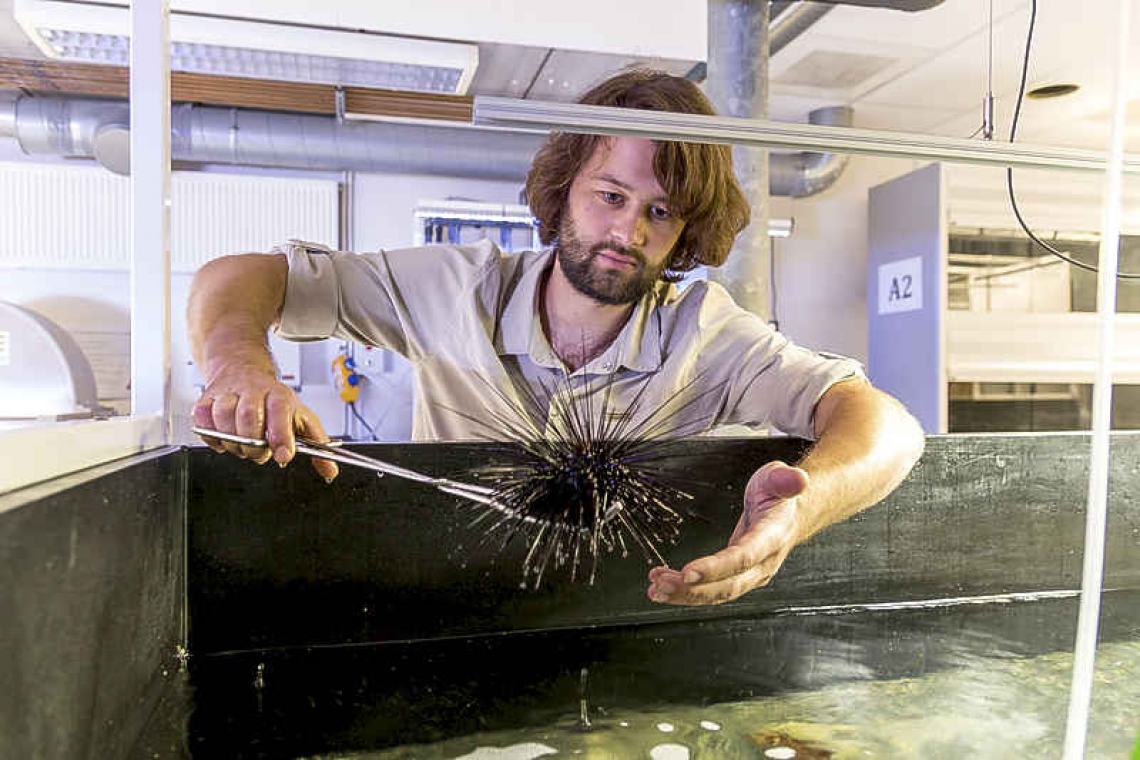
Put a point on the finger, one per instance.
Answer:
(659, 571)
(224, 412)
(308, 424)
(736, 559)
(250, 419)
(717, 592)
(204, 418)
(664, 584)
(280, 406)
(776, 480)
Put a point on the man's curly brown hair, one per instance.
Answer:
(697, 178)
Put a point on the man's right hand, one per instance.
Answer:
(246, 400)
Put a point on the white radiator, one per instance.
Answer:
(72, 217)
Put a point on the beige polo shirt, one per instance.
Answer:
(466, 316)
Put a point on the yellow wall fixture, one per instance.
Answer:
(346, 378)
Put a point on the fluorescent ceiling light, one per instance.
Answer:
(88, 33)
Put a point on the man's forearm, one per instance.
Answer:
(867, 443)
(233, 302)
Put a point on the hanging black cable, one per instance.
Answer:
(1009, 171)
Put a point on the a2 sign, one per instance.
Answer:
(900, 286)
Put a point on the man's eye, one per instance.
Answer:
(610, 197)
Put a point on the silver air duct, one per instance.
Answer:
(799, 175)
(98, 128)
(737, 85)
(93, 128)
(791, 19)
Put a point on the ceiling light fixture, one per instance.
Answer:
(1052, 91)
(89, 33)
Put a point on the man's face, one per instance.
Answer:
(617, 230)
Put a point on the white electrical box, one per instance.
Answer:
(287, 356)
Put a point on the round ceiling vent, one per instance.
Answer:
(1052, 91)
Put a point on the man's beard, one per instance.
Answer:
(606, 285)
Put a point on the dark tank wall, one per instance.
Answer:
(95, 570)
(91, 613)
(277, 558)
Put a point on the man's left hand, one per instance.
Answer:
(768, 528)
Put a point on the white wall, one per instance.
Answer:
(97, 302)
(820, 283)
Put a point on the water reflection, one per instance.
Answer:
(1000, 708)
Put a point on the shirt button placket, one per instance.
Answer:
(558, 402)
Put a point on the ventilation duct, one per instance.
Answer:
(93, 128)
(802, 174)
(86, 127)
(794, 20)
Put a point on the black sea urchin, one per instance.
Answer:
(589, 479)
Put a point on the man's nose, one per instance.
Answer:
(630, 228)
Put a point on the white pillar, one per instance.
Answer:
(150, 205)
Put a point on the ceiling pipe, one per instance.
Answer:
(94, 128)
(793, 21)
(799, 175)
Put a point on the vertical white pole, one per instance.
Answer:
(1096, 516)
(150, 204)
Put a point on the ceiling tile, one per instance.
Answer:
(506, 70)
(833, 70)
(569, 73)
(898, 119)
(935, 28)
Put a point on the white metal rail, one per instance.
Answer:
(658, 125)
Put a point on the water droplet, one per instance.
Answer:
(709, 725)
(666, 728)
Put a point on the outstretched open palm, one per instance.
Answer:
(768, 529)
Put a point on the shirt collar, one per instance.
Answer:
(637, 346)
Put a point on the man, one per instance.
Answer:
(624, 215)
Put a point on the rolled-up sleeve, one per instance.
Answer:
(770, 381)
(403, 300)
(785, 386)
(344, 295)
(312, 295)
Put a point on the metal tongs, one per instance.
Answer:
(332, 451)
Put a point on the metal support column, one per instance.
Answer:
(738, 86)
